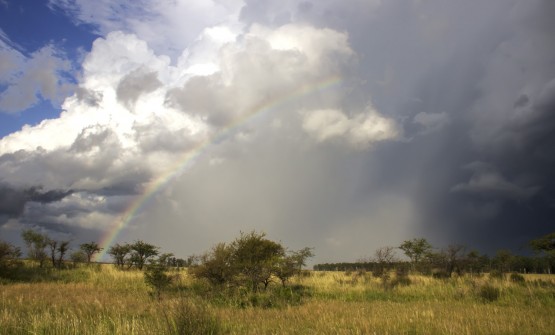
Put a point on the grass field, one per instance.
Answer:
(104, 300)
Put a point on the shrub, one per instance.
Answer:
(156, 278)
(401, 281)
(517, 278)
(496, 274)
(442, 274)
(192, 317)
(489, 293)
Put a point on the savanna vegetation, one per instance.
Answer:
(253, 285)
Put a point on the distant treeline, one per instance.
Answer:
(520, 264)
(453, 259)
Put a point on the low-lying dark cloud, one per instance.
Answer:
(13, 201)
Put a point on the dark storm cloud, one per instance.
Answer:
(13, 201)
(475, 97)
(491, 183)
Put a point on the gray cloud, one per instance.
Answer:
(488, 182)
(13, 200)
(136, 83)
(468, 87)
(28, 79)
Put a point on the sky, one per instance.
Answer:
(342, 125)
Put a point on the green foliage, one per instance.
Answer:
(250, 261)
(503, 259)
(36, 242)
(489, 293)
(156, 276)
(90, 249)
(545, 243)
(192, 317)
(141, 252)
(119, 253)
(9, 258)
(496, 274)
(78, 257)
(215, 266)
(255, 258)
(416, 249)
(517, 278)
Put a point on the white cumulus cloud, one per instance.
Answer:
(361, 130)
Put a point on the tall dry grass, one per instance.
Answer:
(105, 300)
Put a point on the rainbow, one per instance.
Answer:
(187, 158)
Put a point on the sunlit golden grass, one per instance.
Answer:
(105, 300)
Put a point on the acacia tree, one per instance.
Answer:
(256, 258)
(454, 256)
(119, 252)
(36, 243)
(62, 249)
(78, 257)
(251, 261)
(141, 252)
(503, 259)
(90, 249)
(291, 264)
(383, 257)
(545, 246)
(215, 265)
(53, 245)
(156, 276)
(9, 255)
(416, 249)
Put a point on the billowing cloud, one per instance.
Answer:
(361, 131)
(134, 113)
(168, 26)
(26, 80)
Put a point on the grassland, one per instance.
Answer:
(104, 300)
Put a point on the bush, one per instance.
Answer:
(442, 274)
(517, 278)
(496, 274)
(192, 317)
(156, 278)
(401, 281)
(489, 293)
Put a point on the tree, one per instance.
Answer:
(291, 264)
(90, 249)
(301, 256)
(383, 257)
(472, 262)
(251, 261)
(78, 257)
(36, 243)
(156, 276)
(416, 249)
(9, 257)
(454, 257)
(256, 258)
(63, 247)
(215, 265)
(53, 245)
(503, 259)
(141, 252)
(119, 252)
(545, 246)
